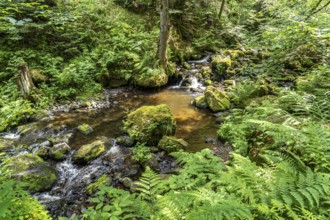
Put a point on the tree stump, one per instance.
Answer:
(25, 83)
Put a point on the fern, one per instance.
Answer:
(197, 169)
(227, 210)
(149, 185)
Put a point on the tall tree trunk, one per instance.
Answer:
(24, 81)
(164, 33)
(221, 9)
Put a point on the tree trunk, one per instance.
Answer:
(24, 81)
(221, 9)
(164, 33)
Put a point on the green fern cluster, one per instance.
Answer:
(283, 188)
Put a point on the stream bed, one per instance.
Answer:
(68, 195)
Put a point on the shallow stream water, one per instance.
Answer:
(193, 125)
(68, 195)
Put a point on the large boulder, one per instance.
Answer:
(29, 168)
(89, 152)
(216, 99)
(149, 124)
(156, 78)
(172, 144)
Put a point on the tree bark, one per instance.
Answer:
(24, 81)
(221, 9)
(164, 33)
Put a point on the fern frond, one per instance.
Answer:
(228, 210)
(149, 184)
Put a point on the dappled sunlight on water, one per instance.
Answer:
(193, 124)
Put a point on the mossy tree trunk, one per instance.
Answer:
(164, 33)
(24, 82)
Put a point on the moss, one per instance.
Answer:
(5, 145)
(149, 124)
(229, 82)
(201, 102)
(38, 76)
(206, 72)
(220, 66)
(88, 152)
(216, 99)
(103, 180)
(208, 82)
(234, 54)
(156, 78)
(172, 144)
(85, 129)
(59, 151)
(29, 168)
(43, 152)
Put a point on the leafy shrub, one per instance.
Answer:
(141, 153)
(12, 113)
(16, 203)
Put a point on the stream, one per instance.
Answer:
(68, 195)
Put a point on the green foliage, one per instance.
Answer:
(12, 113)
(114, 203)
(149, 185)
(141, 153)
(197, 169)
(16, 203)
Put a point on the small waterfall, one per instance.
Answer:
(73, 179)
(189, 82)
(10, 136)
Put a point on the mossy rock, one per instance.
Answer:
(125, 141)
(149, 124)
(156, 78)
(208, 82)
(206, 72)
(103, 180)
(220, 66)
(85, 129)
(43, 152)
(89, 152)
(216, 99)
(172, 144)
(29, 168)
(59, 151)
(5, 145)
(200, 102)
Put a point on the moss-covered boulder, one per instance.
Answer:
(200, 102)
(216, 99)
(156, 78)
(172, 144)
(89, 152)
(59, 151)
(220, 65)
(29, 168)
(149, 124)
(85, 129)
